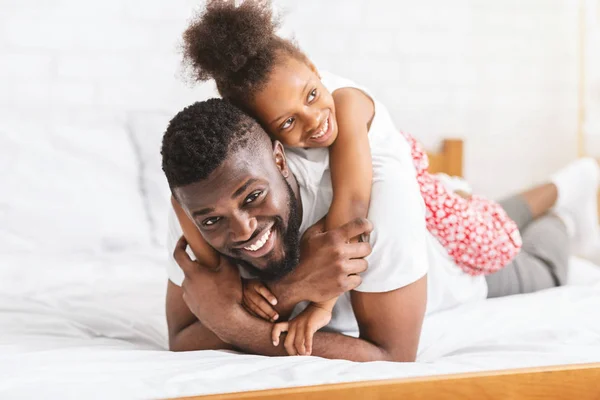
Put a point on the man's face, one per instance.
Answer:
(247, 211)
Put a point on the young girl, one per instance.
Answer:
(345, 130)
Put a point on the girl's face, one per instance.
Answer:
(295, 108)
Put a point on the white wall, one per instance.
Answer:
(501, 74)
(592, 78)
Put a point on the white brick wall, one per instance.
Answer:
(501, 74)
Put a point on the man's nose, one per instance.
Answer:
(242, 227)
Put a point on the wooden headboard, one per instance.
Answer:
(449, 160)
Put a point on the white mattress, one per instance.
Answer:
(75, 327)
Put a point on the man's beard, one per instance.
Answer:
(291, 244)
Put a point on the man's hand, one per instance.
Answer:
(329, 263)
(211, 295)
(259, 300)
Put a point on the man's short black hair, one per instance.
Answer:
(201, 136)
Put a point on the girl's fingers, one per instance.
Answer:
(278, 329)
(289, 342)
(308, 335)
(299, 340)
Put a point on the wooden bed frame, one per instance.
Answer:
(568, 382)
(449, 159)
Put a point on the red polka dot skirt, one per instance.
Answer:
(476, 232)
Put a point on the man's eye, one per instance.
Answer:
(312, 95)
(211, 221)
(253, 196)
(288, 122)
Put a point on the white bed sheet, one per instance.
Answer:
(74, 327)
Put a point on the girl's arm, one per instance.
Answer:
(350, 158)
(351, 177)
(350, 161)
(205, 254)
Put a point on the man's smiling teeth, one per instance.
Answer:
(261, 242)
(323, 129)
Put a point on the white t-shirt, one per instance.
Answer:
(403, 249)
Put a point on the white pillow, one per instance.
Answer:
(147, 130)
(68, 188)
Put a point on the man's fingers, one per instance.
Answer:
(356, 266)
(266, 293)
(266, 310)
(278, 329)
(255, 308)
(249, 309)
(357, 226)
(182, 257)
(181, 243)
(180, 249)
(353, 281)
(358, 250)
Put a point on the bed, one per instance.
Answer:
(82, 285)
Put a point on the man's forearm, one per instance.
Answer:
(287, 296)
(255, 338)
(197, 337)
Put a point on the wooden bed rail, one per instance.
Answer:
(568, 382)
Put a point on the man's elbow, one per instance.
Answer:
(401, 355)
(180, 343)
(404, 357)
(176, 345)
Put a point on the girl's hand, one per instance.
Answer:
(300, 330)
(259, 300)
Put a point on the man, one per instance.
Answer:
(240, 190)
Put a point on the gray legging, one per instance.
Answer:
(543, 260)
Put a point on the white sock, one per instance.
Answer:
(568, 222)
(577, 185)
(587, 238)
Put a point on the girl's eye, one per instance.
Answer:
(253, 196)
(211, 221)
(288, 122)
(312, 95)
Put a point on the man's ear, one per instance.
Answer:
(279, 157)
